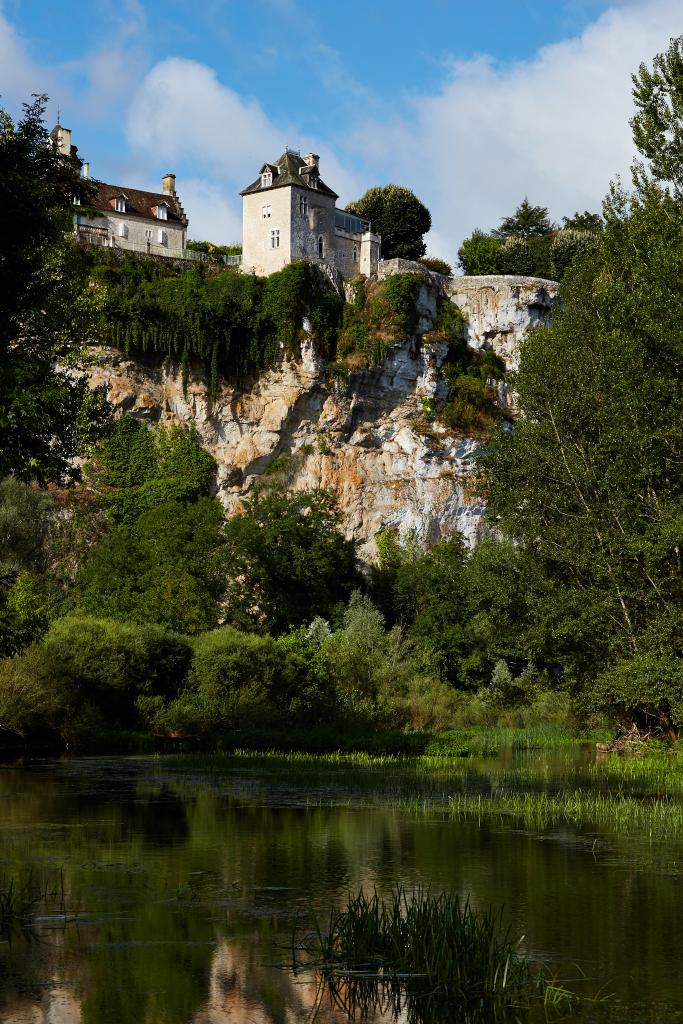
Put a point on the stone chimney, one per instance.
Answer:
(312, 159)
(86, 168)
(168, 184)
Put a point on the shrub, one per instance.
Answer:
(88, 674)
(437, 265)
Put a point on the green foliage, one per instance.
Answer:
(26, 517)
(478, 254)
(398, 216)
(245, 681)
(88, 675)
(381, 315)
(285, 560)
(433, 954)
(380, 677)
(48, 415)
(472, 401)
(233, 324)
(658, 123)
(146, 467)
(157, 563)
(585, 221)
(526, 222)
(212, 250)
(437, 265)
(590, 479)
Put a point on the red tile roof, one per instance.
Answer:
(138, 203)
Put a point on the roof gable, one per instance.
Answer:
(289, 169)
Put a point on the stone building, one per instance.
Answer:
(289, 213)
(128, 218)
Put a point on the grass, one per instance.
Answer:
(433, 955)
(22, 897)
(656, 816)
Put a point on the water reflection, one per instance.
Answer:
(188, 880)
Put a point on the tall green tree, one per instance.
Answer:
(159, 561)
(286, 560)
(398, 216)
(526, 222)
(48, 415)
(591, 479)
(658, 122)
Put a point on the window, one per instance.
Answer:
(313, 181)
(77, 200)
(266, 179)
(123, 230)
(303, 205)
(355, 254)
(321, 247)
(275, 239)
(162, 211)
(265, 212)
(163, 237)
(120, 204)
(148, 234)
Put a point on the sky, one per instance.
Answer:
(473, 105)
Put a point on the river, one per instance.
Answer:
(184, 878)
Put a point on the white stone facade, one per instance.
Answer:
(289, 213)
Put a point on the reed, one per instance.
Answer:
(653, 816)
(22, 897)
(435, 955)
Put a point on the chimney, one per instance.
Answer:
(86, 169)
(168, 184)
(312, 159)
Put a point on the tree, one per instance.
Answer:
(158, 563)
(286, 560)
(398, 216)
(478, 254)
(526, 222)
(26, 516)
(658, 123)
(585, 221)
(48, 415)
(591, 480)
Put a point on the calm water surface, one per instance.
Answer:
(186, 878)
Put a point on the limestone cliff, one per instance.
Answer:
(366, 437)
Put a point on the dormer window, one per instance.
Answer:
(266, 179)
(313, 180)
(120, 204)
(162, 211)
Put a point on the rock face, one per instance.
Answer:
(367, 438)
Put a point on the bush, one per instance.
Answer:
(247, 681)
(437, 265)
(88, 674)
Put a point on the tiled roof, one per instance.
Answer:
(138, 203)
(289, 170)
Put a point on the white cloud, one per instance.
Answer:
(554, 128)
(20, 76)
(182, 111)
(184, 117)
(212, 211)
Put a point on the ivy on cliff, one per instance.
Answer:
(233, 323)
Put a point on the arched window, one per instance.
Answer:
(321, 247)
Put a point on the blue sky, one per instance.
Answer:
(472, 105)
